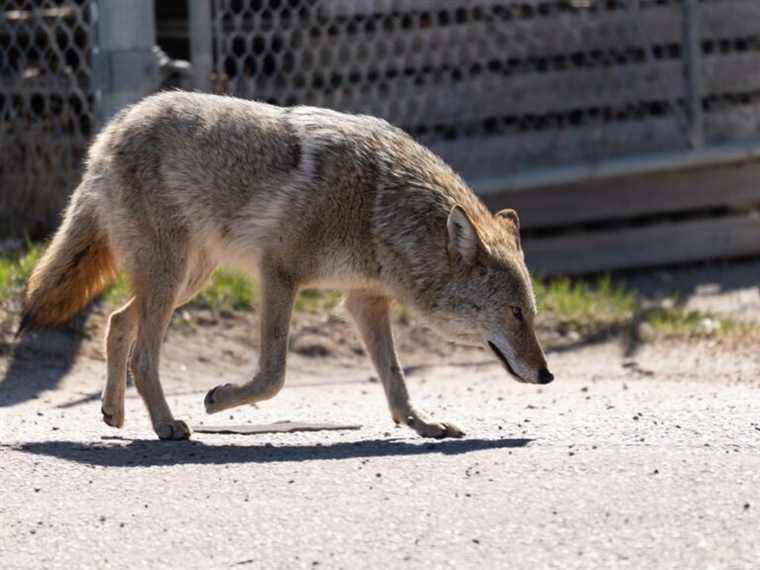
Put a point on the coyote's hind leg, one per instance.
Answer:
(122, 331)
(122, 327)
(278, 294)
(372, 316)
(157, 287)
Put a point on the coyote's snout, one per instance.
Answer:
(531, 375)
(181, 183)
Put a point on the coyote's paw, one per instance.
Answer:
(113, 415)
(217, 398)
(173, 430)
(437, 430)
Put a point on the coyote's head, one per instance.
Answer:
(489, 297)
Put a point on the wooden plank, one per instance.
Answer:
(580, 88)
(559, 33)
(481, 158)
(736, 17)
(733, 123)
(495, 95)
(478, 41)
(490, 37)
(422, 59)
(492, 95)
(25, 16)
(736, 72)
(729, 20)
(33, 80)
(633, 196)
(570, 30)
(369, 7)
(648, 246)
(482, 41)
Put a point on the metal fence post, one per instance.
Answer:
(200, 43)
(126, 67)
(692, 42)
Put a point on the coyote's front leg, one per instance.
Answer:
(372, 316)
(278, 295)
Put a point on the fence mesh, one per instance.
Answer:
(46, 107)
(496, 87)
(731, 48)
(499, 87)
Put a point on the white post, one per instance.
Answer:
(126, 67)
(200, 43)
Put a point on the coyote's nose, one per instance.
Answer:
(544, 376)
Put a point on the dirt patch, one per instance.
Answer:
(225, 342)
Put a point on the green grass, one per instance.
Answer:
(229, 290)
(590, 306)
(584, 305)
(226, 290)
(233, 291)
(117, 293)
(680, 322)
(16, 269)
(316, 300)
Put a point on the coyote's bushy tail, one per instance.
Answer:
(77, 265)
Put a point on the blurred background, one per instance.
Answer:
(625, 132)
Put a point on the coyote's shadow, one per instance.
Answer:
(150, 453)
(40, 360)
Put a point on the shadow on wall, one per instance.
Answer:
(40, 361)
(144, 453)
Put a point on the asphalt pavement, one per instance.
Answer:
(615, 465)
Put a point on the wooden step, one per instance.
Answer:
(646, 246)
(734, 185)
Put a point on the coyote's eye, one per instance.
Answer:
(517, 313)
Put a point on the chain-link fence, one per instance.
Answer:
(47, 107)
(66, 66)
(499, 88)
(730, 41)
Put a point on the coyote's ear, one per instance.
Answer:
(509, 216)
(463, 237)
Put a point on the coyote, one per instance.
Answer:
(181, 182)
